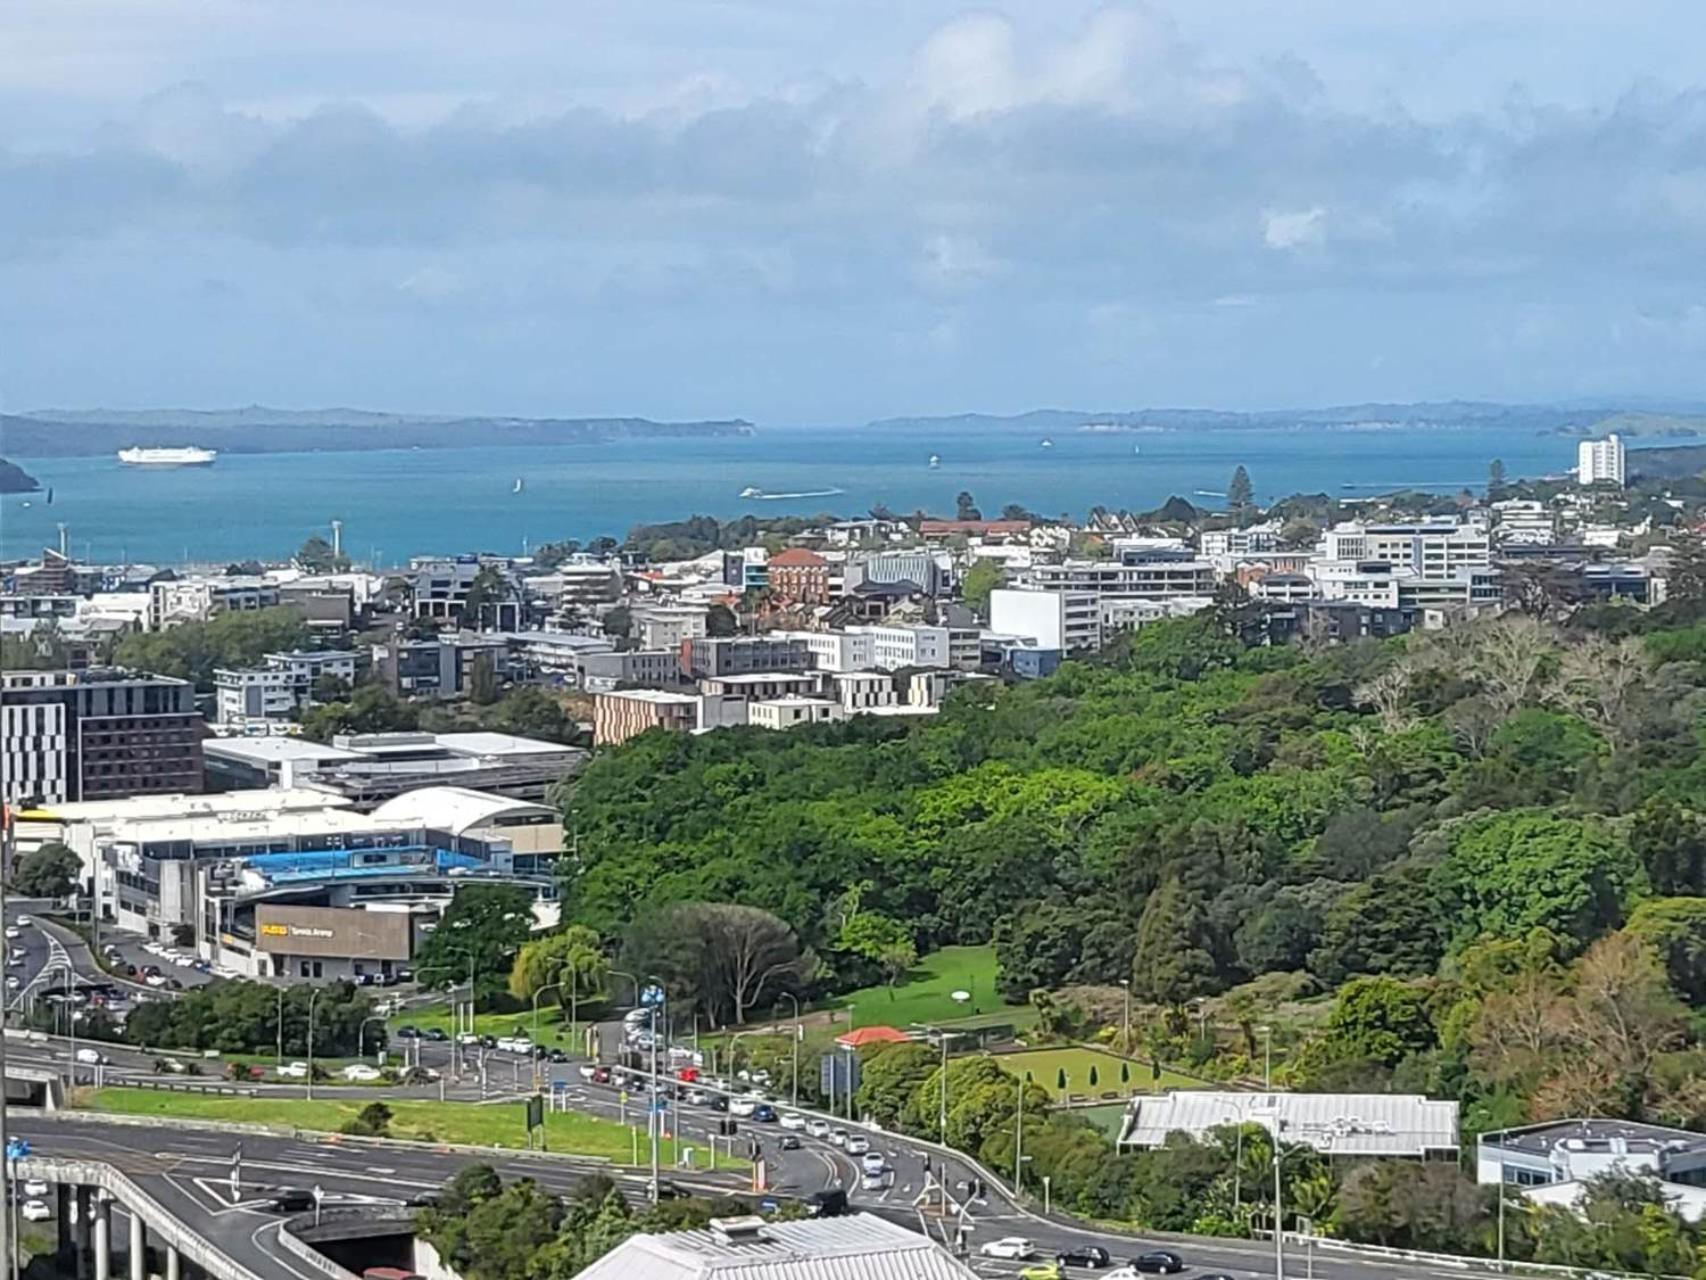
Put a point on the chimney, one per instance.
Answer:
(744, 1230)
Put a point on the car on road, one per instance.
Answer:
(407, 1033)
(291, 1200)
(294, 1070)
(557, 1057)
(36, 1211)
(1221, 1275)
(1085, 1255)
(793, 1120)
(438, 1035)
(24, 922)
(601, 1075)
(35, 1190)
(873, 1163)
(838, 1138)
(1159, 1262)
(816, 1128)
(831, 1202)
(764, 1113)
(361, 1073)
(1042, 1271)
(156, 980)
(12, 931)
(1016, 1248)
(92, 1058)
(742, 1106)
(857, 1144)
(698, 1097)
(789, 1142)
(718, 1102)
(12, 983)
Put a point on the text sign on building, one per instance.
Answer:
(332, 932)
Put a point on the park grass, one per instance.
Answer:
(1045, 1066)
(926, 994)
(464, 1123)
(1109, 1119)
(553, 1022)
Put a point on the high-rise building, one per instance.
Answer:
(95, 735)
(1598, 461)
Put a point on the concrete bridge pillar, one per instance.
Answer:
(138, 1247)
(174, 1263)
(62, 1218)
(103, 1226)
(83, 1197)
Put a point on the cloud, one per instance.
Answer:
(1113, 182)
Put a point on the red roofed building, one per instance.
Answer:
(863, 1036)
(798, 576)
(972, 528)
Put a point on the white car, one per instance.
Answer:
(35, 1190)
(13, 933)
(1016, 1247)
(857, 1144)
(873, 1164)
(294, 1070)
(12, 983)
(92, 1058)
(154, 948)
(793, 1120)
(155, 979)
(183, 961)
(817, 1128)
(742, 1106)
(838, 1138)
(698, 1097)
(361, 1072)
(36, 1211)
(24, 922)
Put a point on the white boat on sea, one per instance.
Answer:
(186, 456)
(759, 495)
(519, 485)
(935, 461)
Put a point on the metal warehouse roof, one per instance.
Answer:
(1367, 1124)
(856, 1247)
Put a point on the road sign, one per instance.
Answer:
(652, 996)
(838, 1074)
(535, 1112)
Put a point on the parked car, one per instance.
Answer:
(361, 1073)
(1042, 1271)
(36, 1211)
(1085, 1255)
(438, 1035)
(35, 1189)
(1159, 1262)
(1017, 1248)
(408, 1033)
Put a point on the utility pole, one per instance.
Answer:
(1019, 1141)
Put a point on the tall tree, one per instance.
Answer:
(571, 961)
(980, 581)
(316, 556)
(1240, 493)
(51, 871)
(484, 925)
(965, 507)
(1175, 956)
(1495, 480)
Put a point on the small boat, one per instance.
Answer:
(1047, 443)
(1137, 448)
(519, 485)
(1209, 493)
(935, 461)
(27, 504)
(50, 497)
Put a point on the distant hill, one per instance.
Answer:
(1667, 462)
(1637, 425)
(14, 479)
(54, 433)
(1542, 419)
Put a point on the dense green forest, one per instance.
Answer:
(1465, 854)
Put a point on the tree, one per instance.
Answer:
(890, 1076)
(52, 871)
(483, 681)
(572, 961)
(1378, 1019)
(486, 924)
(1507, 873)
(980, 581)
(371, 709)
(728, 958)
(490, 587)
(1495, 480)
(720, 620)
(328, 687)
(1239, 492)
(372, 1121)
(617, 623)
(1174, 960)
(1670, 841)
(880, 941)
(965, 507)
(1675, 929)
(316, 556)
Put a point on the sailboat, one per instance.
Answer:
(519, 485)
(50, 496)
(935, 461)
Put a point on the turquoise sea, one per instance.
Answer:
(397, 503)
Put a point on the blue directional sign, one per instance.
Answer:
(17, 1148)
(651, 996)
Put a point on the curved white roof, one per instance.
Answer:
(455, 809)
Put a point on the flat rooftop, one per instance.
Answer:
(144, 808)
(659, 696)
(1340, 1123)
(1596, 1135)
(276, 750)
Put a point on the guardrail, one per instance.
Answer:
(179, 1086)
(1457, 1261)
(308, 1253)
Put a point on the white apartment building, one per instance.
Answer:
(1599, 461)
(894, 647)
(1064, 621)
(1524, 521)
(1283, 588)
(1121, 614)
(259, 693)
(1433, 549)
(791, 711)
(199, 599)
(863, 690)
(851, 650)
(1258, 539)
(1148, 575)
(666, 626)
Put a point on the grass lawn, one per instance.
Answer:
(1108, 1119)
(1045, 1065)
(926, 995)
(497, 1125)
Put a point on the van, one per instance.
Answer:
(829, 1203)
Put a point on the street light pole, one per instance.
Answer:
(1019, 1142)
(361, 1034)
(1267, 1057)
(1125, 1024)
(313, 996)
(280, 1026)
(549, 986)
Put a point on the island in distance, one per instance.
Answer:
(82, 433)
(14, 479)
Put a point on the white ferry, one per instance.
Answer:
(187, 456)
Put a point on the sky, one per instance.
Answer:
(805, 211)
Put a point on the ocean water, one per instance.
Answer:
(397, 503)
